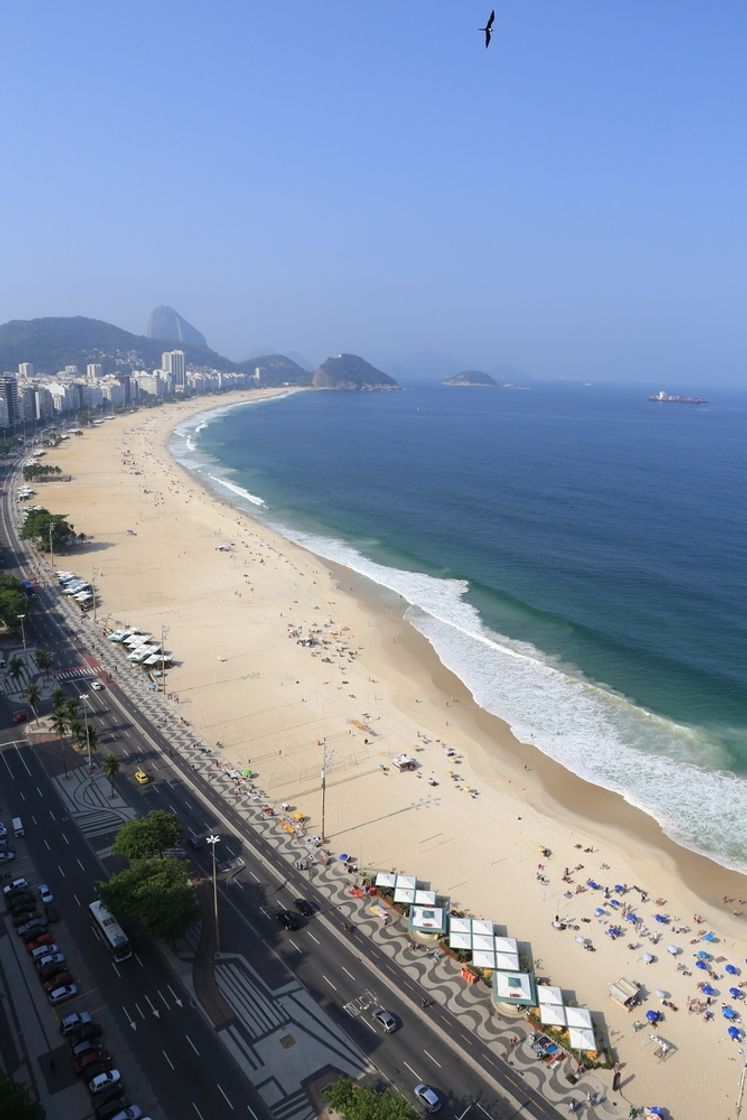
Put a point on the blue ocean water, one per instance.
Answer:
(576, 554)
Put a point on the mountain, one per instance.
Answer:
(275, 369)
(510, 374)
(426, 365)
(472, 378)
(348, 371)
(52, 343)
(168, 326)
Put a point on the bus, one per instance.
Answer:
(111, 930)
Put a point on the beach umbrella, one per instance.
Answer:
(298, 816)
(661, 918)
(619, 888)
(673, 949)
(701, 964)
(710, 937)
(649, 958)
(660, 993)
(731, 969)
(704, 956)
(656, 1112)
(653, 1016)
(344, 857)
(631, 918)
(729, 1013)
(736, 993)
(708, 990)
(735, 1033)
(599, 912)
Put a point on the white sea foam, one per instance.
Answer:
(673, 772)
(239, 491)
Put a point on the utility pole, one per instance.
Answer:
(94, 573)
(84, 697)
(212, 840)
(51, 550)
(325, 762)
(164, 636)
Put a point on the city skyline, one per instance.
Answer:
(569, 202)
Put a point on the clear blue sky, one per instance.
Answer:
(367, 177)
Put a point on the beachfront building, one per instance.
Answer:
(9, 399)
(25, 370)
(94, 370)
(174, 363)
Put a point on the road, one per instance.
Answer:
(345, 975)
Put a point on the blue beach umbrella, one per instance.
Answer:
(657, 1112)
(708, 990)
(652, 1016)
(600, 912)
(710, 937)
(729, 1013)
(344, 857)
(736, 993)
(632, 918)
(704, 956)
(731, 969)
(701, 964)
(735, 1033)
(662, 918)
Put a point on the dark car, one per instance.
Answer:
(287, 919)
(7, 855)
(58, 980)
(111, 1108)
(52, 971)
(111, 1093)
(196, 843)
(21, 900)
(87, 1033)
(303, 907)
(31, 930)
(53, 914)
(21, 917)
(97, 1056)
(19, 717)
(84, 1046)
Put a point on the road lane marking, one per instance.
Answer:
(348, 973)
(119, 974)
(80, 865)
(7, 766)
(62, 873)
(431, 1058)
(254, 1114)
(140, 1013)
(225, 1098)
(137, 958)
(191, 1043)
(64, 837)
(23, 795)
(194, 1106)
(328, 981)
(168, 1059)
(47, 843)
(163, 1000)
(311, 935)
(34, 819)
(255, 877)
(39, 792)
(412, 1071)
(54, 818)
(238, 883)
(76, 899)
(23, 760)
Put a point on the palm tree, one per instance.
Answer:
(76, 729)
(15, 667)
(43, 659)
(88, 739)
(111, 767)
(59, 726)
(58, 697)
(32, 696)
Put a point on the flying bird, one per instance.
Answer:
(488, 28)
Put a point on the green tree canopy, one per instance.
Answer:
(111, 767)
(147, 836)
(16, 1101)
(155, 893)
(12, 600)
(357, 1102)
(37, 528)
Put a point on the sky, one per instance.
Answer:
(330, 176)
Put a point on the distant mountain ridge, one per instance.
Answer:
(472, 378)
(168, 325)
(51, 343)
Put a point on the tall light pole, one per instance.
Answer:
(212, 841)
(22, 619)
(740, 1094)
(94, 573)
(325, 762)
(84, 697)
(164, 636)
(51, 550)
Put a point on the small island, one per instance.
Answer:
(348, 371)
(473, 379)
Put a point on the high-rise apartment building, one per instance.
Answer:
(9, 394)
(93, 371)
(26, 369)
(173, 362)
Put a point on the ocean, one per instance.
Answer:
(577, 555)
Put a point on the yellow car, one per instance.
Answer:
(141, 777)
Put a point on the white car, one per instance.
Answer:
(104, 1080)
(49, 958)
(3, 831)
(97, 686)
(59, 995)
(134, 1112)
(46, 895)
(428, 1097)
(16, 885)
(43, 951)
(72, 1022)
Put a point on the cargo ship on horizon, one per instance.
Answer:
(675, 398)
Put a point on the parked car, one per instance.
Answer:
(21, 900)
(3, 830)
(428, 1097)
(59, 995)
(46, 895)
(19, 717)
(388, 1022)
(53, 914)
(45, 950)
(33, 928)
(21, 916)
(132, 1112)
(287, 920)
(93, 1063)
(43, 939)
(51, 966)
(75, 1021)
(89, 1032)
(15, 884)
(110, 1110)
(303, 907)
(106, 1096)
(104, 1081)
(57, 979)
(8, 855)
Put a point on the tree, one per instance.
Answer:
(58, 697)
(87, 740)
(15, 668)
(59, 726)
(358, 1102)
(12, 600)
(111, 767)
(152, 835)
(43, 659)
(41, 526)
(156, 893)
(16, 1101)
(32, 696)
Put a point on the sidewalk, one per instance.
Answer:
(203, 973)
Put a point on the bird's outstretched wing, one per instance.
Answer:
(489, 24)
(488, 34)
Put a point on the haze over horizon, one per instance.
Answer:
(569, 202)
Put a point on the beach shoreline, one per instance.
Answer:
(287, 703)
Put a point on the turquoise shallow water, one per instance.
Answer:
(578, 555)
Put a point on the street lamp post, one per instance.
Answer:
(212, 841)
(22, 619)
(164, 636)
(84, 697)
(740, 1094)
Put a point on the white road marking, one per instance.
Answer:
(64, 837)
(431, 1058)
(348, 973)
(62, 873)
(140, 1013)
(238, 883)
(225, 1098)
(80, 865)
(253, 1113)
(34, 819)
(54, 818)
(168, 1059)
(39, 792)
(328, 981)
(194, 1106)
(23, 760)
(77, 899)
(412, 1071)
(7, 767)
(292, 942)
(23, 795)
(483, 1109)
(137, 958)
(311, 935)
(163, 1000)
(119, 974)
(255, 877)
(191, 1043)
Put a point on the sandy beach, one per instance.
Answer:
(472, 820)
